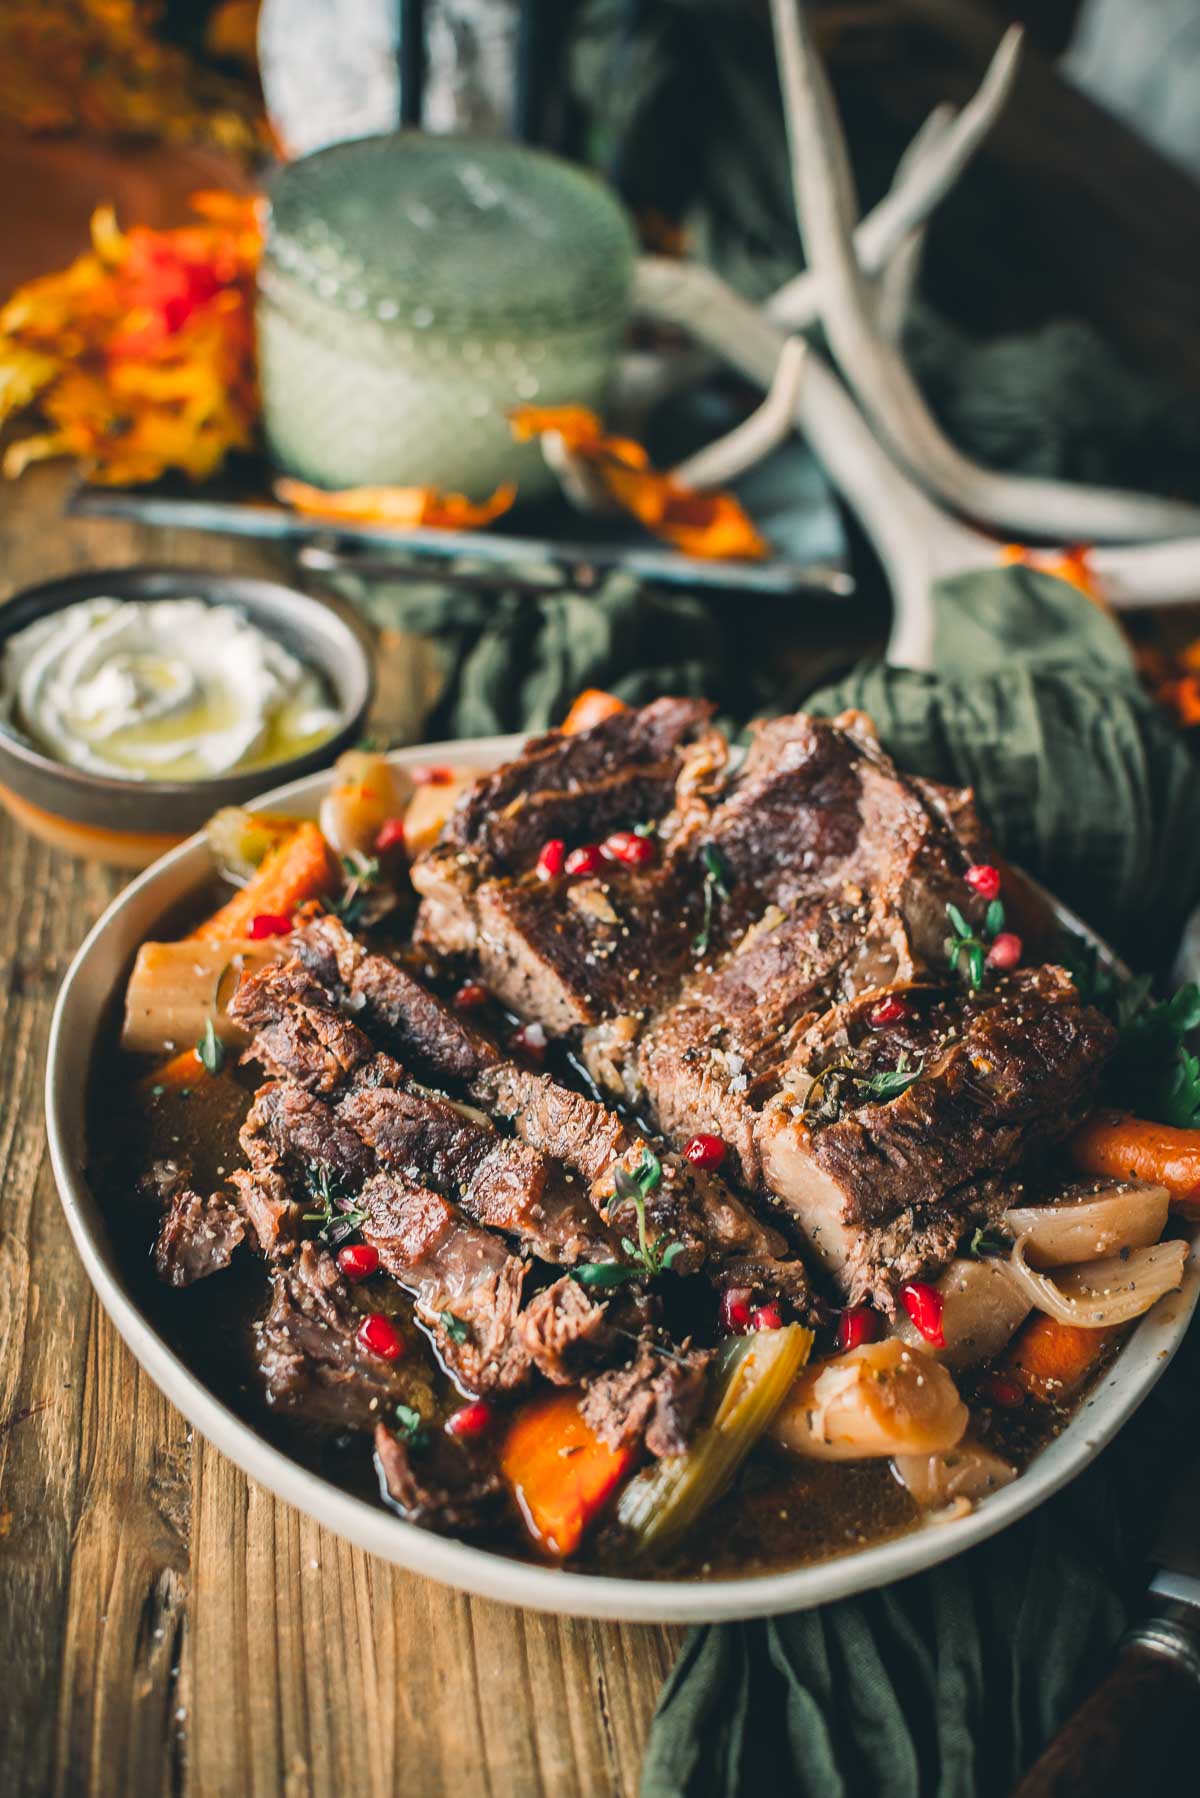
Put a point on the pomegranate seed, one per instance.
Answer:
(439, 776)
(378, 1335)
(924, 1306)
(390, 836)
(470, 1420)
(856, 1325)
(530, 1040)
(587, 859)
(358, 1260)
(471, 996)
(269, 923)
(888, 1011)
(984, 880)
(734, 1310)
(705, 1151)
(1006, 951)
(998, 1389)
(626, 846)
(766, 1318)
(550, 861)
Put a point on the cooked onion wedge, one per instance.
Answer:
(367, 792)
(1099, 1293)
(966, 1471)
(1086, 1224)
(881, 1399)
(981, 1311)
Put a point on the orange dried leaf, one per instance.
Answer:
(714, 526)
(401, 506)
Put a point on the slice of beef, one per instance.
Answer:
(565, 1331)
(306, 1350)
(578, 787)
(710, 1060)
(438, 1485)
(654, 1400)
(572, 952)
(1006, 1074)
(497, 1180)
(295, 1030)
(430, 1036)
(264, 1194)
(466, 1285)
(197, 1237)
(308, 1134)
(717, 1230)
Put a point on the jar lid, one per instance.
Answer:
(455, 232)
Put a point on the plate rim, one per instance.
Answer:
(483, 1572)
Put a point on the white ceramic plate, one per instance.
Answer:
(90, 984)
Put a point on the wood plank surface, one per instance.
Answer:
(165, 1624)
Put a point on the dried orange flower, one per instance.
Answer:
(404, 507)
(97, 66)
(1072, 565)
(140, 356)
(710, 525)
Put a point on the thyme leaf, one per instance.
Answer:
(646, 1257)
(968, 949)
(454, 1326)
(891, 1082)
(716, 886)
(411, 1426)
(210, 1050)
(989, 1242)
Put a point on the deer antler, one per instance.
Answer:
(1014, 505)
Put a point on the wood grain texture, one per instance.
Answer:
(166, 1626)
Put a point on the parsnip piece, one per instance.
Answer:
(981, 1312)
(176, 988)
(966, 1471)
(431, 805)
(881, 1399)
(1088, 1223)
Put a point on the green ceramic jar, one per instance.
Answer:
(414, 289)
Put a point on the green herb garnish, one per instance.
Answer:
(454, 1327)
(646, 1258)
(716, 886)
(890, 1083)
(337, 1217)
(210, 1050)
(968, 948)
(158, 1089)
(411, 1426)
(987, 1242)
(363, 874)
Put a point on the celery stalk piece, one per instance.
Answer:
(664, 1501)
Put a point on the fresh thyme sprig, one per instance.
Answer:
(646, 1258)
(716, 886)
(891, 1082)
(986, 1243)
(363, 874)
(337, 1216)
(970, 949)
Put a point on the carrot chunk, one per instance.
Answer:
(592, 706)
(299, 868)
(1050, 1360)
(1129, 1148)
(560, 1472)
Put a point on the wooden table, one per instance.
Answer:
(165, 1624)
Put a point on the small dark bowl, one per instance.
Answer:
(131, 822)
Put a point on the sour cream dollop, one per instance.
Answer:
(166, 689)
